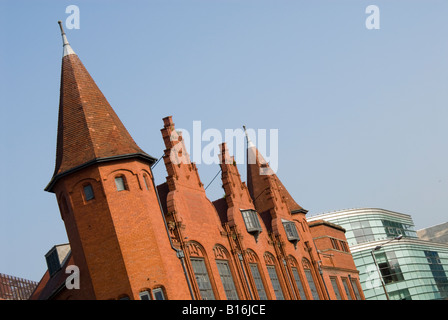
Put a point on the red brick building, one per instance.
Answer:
(133, 239)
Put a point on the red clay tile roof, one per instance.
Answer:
(258, 181)
(88, 128)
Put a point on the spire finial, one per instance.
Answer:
(250, 144)
(60, 26)
(67, 49)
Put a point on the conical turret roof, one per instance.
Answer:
(89, 130)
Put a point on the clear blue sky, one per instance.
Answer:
(362, 114)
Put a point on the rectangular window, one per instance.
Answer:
(88, 192)
(275, 283)
(202, 279)
(258, 282)
(309, 278)
(334, 243)
(227, 279)
(347, 289)
(251, 220)
(291, 230)
(298, 282)
(355, 289)
(335, 286)
(344, 246)
(394, 229)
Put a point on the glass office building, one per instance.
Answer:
(385, 243)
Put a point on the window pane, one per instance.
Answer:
(365, 224)
(53, 262)
(247, 220)
(312, 285)
(355, 289)
(227, 279)
(202, 279)
(291, 230)
(438, 272)
(336, 288)
(400, 295)
(145, 179)
(347, 290)
(275, 283)
(362, 231)
(158, 294)
(356, 225)
(145, 295)
(295, 273)
(258, 281)
(251, 220)
(389, 267)
(119, 182)
(88, 192)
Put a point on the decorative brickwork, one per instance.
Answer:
(128, 235)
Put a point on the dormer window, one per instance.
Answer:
(56, 258)
(53, 262)
(251, 221)
(291, 230)
(120, 183)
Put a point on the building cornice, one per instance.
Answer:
(357, 212)
(368, 246)
(55, 178)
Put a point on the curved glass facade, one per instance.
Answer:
(409, 268)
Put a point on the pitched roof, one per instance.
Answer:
(257, 172)
(50, 286)
(89, 130)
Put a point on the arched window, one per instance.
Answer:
(222, 261)
(155, 294)
(297, 279)
(310, 279)
(256, 274)
(88, 192)
(269, 259)
(120, 183)
(146, 181)
(158, 294)
(145, 295)
(198, 262)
